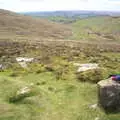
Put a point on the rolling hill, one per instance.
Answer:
(100, 29)
(16, 26)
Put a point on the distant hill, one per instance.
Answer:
(72, 14)
(18, 27)
(13, 25)
(68, 17)
(102, 28)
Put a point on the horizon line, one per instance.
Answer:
(71, 11)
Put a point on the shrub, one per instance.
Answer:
(49, 68)
(35, 67)
(92, 76)
(14, 74)
(18, 73)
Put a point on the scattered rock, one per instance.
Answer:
(23, 61)
(23, 64)
(109, 94)
(1, 67)
(97, 118)
(94, 106)
(21, 94)
(24, 90)
(85, 67)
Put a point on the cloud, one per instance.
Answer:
(48, 0)
(84, 0)
(31, 0)
(1, 3)
(46, 5)
(114, 2)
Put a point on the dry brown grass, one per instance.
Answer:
(12, 24)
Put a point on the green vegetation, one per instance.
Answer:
(59, 93)
(54, 99)
(102, 28)
(55, 90)
(93, 76)
(61, 19)
(51, 98)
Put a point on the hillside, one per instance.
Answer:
(14, 25)
(102, 28)
(39, 77)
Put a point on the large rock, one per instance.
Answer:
(85, 67)
(109, 94)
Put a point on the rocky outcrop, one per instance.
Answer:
(109, 94)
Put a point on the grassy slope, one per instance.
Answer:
(102, 28)
(67, 100)
(55, 99)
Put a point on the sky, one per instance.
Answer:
(54, 5)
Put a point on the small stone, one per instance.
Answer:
(88, 66)
(97, 118)
(23, 61)
(1, 67)
(94, 106)
(24, 90)
(21, 94)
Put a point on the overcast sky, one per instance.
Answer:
(53, 5)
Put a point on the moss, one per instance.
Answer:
(92, 76)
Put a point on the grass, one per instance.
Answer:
(61, 19)
(55, 99)
(25, 27)
(67, 100)
(60, 95)
(103, 28)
